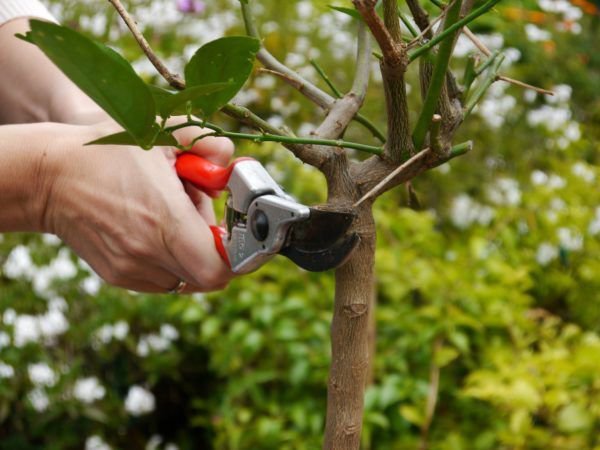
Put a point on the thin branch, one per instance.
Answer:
(267, 137)
(420, 15)
(383, 183)
(345, 108)
(525, 85)
(309, 90)
(364, 121)
(409, 26)
(452, 29)
(489, 79)
(326, 79)
(438, 77)
(173, 79)
(363, 62)
(391, 51)
(392, 20)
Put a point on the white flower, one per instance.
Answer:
(58, 304)
(153, 342)
(556, 182)
(546, 253)
(594, 226)
(9, 316)
(4, 339)
(583, 171)
(505, 192)
(466, 211)
(88, 390)
(52, 324)
(41, 374)
(19, 263)
(139, 401)
(51, 239)
(96, 443)
(91, 284)
(538, 177)
(570, 240)
(171, 446)
(154, 442)
(26, 330)
(562, 94)
(38, 399)
(120, 330)
(108, 332)
(169, 332)
(535, 34)
(6, 370)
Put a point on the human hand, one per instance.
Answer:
(125, 211)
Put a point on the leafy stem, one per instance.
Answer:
(267, 137)
(438, 77)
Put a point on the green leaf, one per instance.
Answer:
(124, 138)
(349, 11)
(169, 103)
(101, 73)
(229, 59)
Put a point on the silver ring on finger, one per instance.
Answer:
(181, 285)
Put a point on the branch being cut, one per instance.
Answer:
(173, 79)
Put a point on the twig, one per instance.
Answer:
(407, 23)
(486, 83)
(525, 85)
(309, 90)
(391, 51)
(364, 121)
(173, 79)
(267, 137)
(451, 29)
(438, 77)
(382, 184)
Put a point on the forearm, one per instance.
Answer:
(33, 89)
(23, 180)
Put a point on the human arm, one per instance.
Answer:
(121, 209)
(33, 89)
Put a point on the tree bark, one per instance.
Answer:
(350, 341)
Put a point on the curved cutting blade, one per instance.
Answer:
(321, 242)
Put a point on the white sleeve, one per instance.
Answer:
(11, 9)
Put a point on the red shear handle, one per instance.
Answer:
(203, 174)
(211, 179)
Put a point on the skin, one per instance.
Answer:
(121, 209)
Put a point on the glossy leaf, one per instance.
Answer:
(349, 11)
(229, 59)
(100, 72)
(124, 138)
(169, 103)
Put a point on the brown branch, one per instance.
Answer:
(487, 52)
(392, 52)
(392, 20)
(379, 187)
(421, 17)
(174, 80)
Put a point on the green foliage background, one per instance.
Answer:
(466, 293)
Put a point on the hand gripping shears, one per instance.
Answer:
(261, 220)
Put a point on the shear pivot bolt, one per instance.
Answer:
(260, 225)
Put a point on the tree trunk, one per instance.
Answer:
(350, 343)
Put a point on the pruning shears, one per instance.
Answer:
(261, 220)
